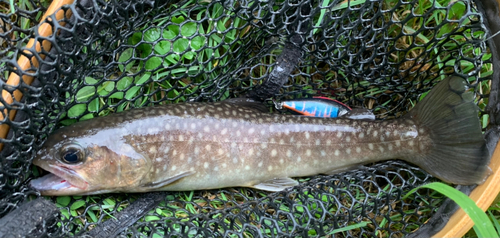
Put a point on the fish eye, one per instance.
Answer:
(72, 154)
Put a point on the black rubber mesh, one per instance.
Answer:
(111, 56)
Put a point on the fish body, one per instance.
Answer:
(194, 146)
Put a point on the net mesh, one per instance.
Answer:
(107, 57)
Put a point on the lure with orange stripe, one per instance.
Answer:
(315, 107)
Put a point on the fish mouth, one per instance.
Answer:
(59, 180)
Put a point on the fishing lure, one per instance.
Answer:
(315, 107)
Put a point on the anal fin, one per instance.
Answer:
(276, 185)
(167, 181)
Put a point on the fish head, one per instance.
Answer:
(88, 164)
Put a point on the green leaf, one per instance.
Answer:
(117, 95)
(143, 79)
(63, 200)
(94, 105)
(90, 80)
(77, 205)
(163, 47)
(188, 29)
(180, 45)
(153, 63)
(132, 92)
(482, 224)
(124, 83)
(125, 55)
(152, 35)
(77, 110)
(178, 20)
(109, 86)
(87, 117)
(197, 42)
(85, 93)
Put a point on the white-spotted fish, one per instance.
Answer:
(194, 146)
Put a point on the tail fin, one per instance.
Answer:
(458, 152)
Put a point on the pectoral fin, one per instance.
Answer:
(167, 181)
(276, 185)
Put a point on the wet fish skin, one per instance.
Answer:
(194, 146)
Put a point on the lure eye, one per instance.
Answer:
(72, 154)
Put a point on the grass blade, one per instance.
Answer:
(482, 224)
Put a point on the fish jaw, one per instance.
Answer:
(61, 180)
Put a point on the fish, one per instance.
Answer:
(199, 146)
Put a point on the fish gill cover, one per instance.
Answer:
(109, 57)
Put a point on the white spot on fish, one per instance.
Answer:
(181, 157)
(348, 151)
(375, 133)
(318, 142)
(339, 134)
(233, 145)
(216, 168)
(337, 153)
(174, 168)
(292, 139)
(263, 132)
(152, 149)
(315, 162)
(358, 150)
(308, 152)
(274, 152)
(299, 159)
(389, 146)
(411, 143)
(361, 135)
(224, 165)
(289, 153)
(387, 133)
(235, 160)
(164, 167)
(398, 143)
(421, 130)
(396, 132)
(247, 167)
(381, 148)
(205, 165)
(260, 164)
(166, 149)
(348, 139)
(307, 135)
(224, 131)
(181, 137)
(282, 142)
(263, 145)
(382, 138)
(370, 145)
(250, 152)
(206, 129)
(167, 126)
(196, 150)
(272, 141)
(238, 133)
(159, 159)
(193, 126)
(220, 151)
(251, 130)
(282, 161)
(270, 168)
(208, 147)
(328, 142)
